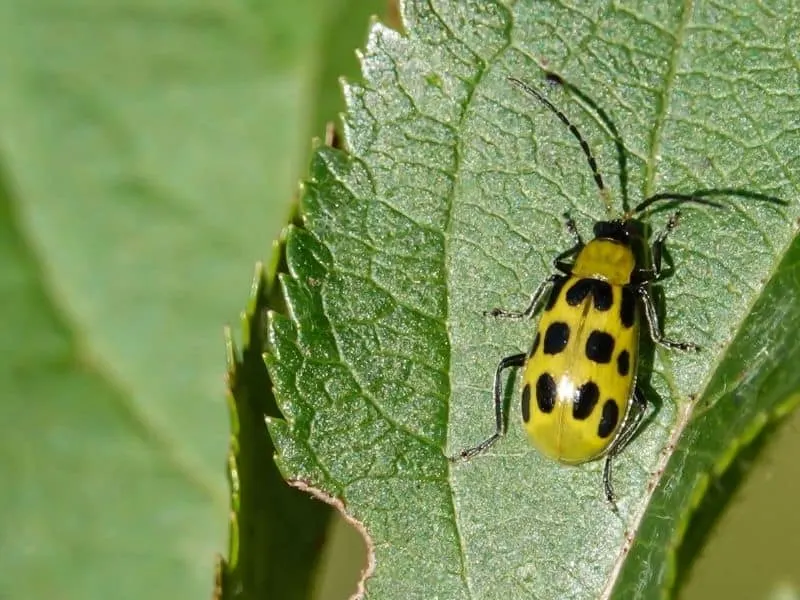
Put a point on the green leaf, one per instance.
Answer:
(449, 202)
(749, 549)
(275, 531)
(90, 496)
(150, 151)
(756, 384)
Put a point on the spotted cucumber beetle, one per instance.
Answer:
(580, 398)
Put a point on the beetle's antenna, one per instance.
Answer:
(611, 129)
(573, 130)
(696, 198)
(700, 197)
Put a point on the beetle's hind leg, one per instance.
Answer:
(629, 428)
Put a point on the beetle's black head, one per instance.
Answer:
(624, 231)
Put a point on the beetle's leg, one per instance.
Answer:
(515, 360)
(653, 272)
(658, 244)
(629, 429)
(569, 223)
(531, 309)
(654, 326)
(632, 421)
(560, 261)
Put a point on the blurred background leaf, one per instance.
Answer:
(150, 153)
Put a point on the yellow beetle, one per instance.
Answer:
(580, 400)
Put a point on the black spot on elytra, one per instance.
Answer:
(627, 310)
(526, 403)
(556, 337)
(535, 346)
(555, 292)
(600, 291)
(609, 418)
(599, 347)
(603, 297)
(545, 393)
(586, 398)
(624, 363)
(578, 291)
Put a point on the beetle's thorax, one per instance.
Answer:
(606, 259)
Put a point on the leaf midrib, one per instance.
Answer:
(448, 230)
(663, 101)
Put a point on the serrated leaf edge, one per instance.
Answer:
(339, 505)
